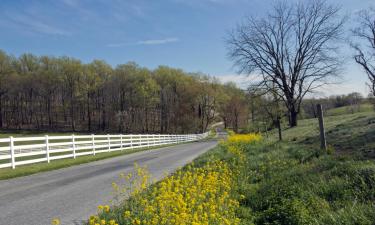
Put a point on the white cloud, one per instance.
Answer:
(71, 3)
(242, 81)
(146, 42)
(340, 89)
(29, 22)
(157, 42)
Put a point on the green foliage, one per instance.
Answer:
(330, 150)
(282, 190)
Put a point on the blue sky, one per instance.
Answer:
(187, 34)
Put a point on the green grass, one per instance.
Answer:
(294, 182)
(348, 133)
(284, 186)
(366, 107)
(23, 133)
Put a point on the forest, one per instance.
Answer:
(64, 94)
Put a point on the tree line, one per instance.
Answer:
(65, 94)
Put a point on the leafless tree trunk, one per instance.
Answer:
(292, 49)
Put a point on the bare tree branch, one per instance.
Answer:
(294, 48)
(365, 50)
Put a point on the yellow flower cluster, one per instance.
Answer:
(196, 196)
(244, 138)
(55, 221)
(203, 195)
(193, 196)
(96, 220)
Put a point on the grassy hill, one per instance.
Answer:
(346, 133)
(365, 107)
(302, 185)
(294, 182)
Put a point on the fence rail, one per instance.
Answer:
(16, 151)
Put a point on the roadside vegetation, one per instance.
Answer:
(248, 179)
(204, 192)
(294, 182)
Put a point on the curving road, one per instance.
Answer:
(72, 194)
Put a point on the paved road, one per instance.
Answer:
(72, 194)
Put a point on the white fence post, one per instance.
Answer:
(109, 143)
(74, 146)
(12, 157)
(93, 143)
(47, 149)
(148, 141)
(121, 142)
(131, 141)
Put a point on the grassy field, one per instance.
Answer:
(293, 182)
(346, 133)
(365, 107)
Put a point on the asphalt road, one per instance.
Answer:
(72, 194)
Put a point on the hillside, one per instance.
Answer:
(346, 133)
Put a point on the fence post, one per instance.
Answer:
(148, 141)
(74, 146)
(139, 140)
(154, 137)
(12, 156)
(131, 141)
(47, 149)
(323, 143)
(93, 143)
(121, 141)
(109, 143)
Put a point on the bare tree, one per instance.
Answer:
(293, 49)
(365, 51)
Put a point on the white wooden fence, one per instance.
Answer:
(15, 151)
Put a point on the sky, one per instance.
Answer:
(186, 34)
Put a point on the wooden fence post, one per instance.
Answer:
(323, 143)
(47, 149)
(12, 156)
